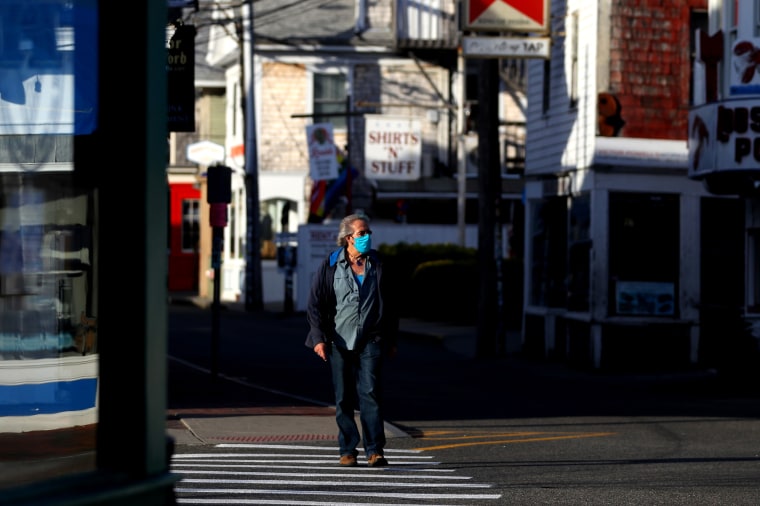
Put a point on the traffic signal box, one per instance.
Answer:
(218, 194)
(219, 190)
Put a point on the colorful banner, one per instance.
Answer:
(325, 195)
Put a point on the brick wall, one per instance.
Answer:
(650, 69)
(282, 139)
(380, 14)
(398, 85)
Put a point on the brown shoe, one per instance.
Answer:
(376, 460)
(347, 460)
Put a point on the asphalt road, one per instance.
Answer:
(536, 432)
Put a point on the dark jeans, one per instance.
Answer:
(356, 377)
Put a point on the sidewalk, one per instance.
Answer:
(258, 424)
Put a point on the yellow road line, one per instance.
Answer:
(471, 435)
(512, 441)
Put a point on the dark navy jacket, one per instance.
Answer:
(321, 307)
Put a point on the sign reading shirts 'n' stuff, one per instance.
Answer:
(392, 147)
(323, 161)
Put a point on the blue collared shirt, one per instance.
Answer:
(357, 303)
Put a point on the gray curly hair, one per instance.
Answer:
(346, 227)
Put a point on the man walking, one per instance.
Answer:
(353, 323)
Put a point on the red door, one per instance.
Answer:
(184, 237)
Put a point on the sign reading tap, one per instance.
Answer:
(506, 47)
(392, 147)
(507, 15)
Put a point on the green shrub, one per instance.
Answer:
(405, 257)
(421, 292)
(445, 290)
(441, 282)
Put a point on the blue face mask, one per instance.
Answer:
(363, 244)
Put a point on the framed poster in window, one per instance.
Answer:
(644, 298)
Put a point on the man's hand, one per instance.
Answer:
(319, 349)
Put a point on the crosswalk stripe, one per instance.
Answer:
(301, 447)
(383, 475)
(301, 474)
(337, 493)
(294, 465)
(324, 483)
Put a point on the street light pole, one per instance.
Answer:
(253, 283)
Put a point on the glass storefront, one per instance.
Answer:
(83, 268)
(48, 313)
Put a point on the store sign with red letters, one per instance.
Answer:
(507, 15)
(392, 147)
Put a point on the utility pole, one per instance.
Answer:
(489, 204)
(254, 299)
(483, 17)
(461, 151)
(349, 155)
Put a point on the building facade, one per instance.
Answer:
(619, 262)
(355, 64)
(723, 145)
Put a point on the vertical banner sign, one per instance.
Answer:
(180, 77)
(392, 147)
(323, 160)
(745, 74)
(507, 15)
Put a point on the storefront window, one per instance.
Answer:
(753, 257)
(579, 251)
(549, 252)
(644, 250)
(190, 225)
(330, 99)
(48, 330)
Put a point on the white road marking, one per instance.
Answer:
(223, 478)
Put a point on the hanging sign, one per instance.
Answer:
(323, 159)
(745, 76)
(507, 15)
(205, 153)
(180, 79)
(392, 147)
(506, 47)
